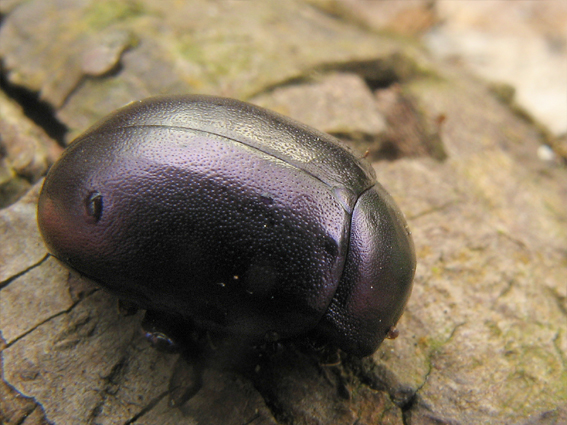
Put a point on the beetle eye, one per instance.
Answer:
(93, 205)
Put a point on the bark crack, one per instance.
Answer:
(432, 210)
(412, 402)
(560, 352)
(560, 299)
(434, 352)
(112, 385)
(22, 411)
(6, 282)
(112, 381)
(67, 311)
(153, 402)
(41, 112)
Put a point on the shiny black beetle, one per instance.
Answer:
(234, 218)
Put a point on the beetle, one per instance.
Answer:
(234, 218)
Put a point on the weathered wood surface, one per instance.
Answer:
(484, 337)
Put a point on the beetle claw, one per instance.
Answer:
(393, 333)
